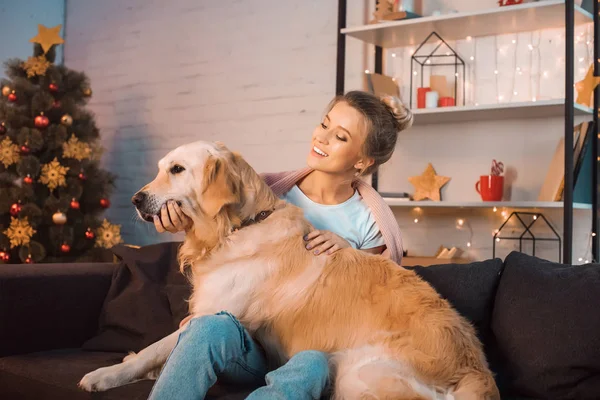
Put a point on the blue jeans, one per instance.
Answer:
(218, 346)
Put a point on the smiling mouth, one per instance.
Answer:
(319, 152)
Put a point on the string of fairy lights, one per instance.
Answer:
(532, 66)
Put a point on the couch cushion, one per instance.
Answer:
(547, 326)
(55, 374)
(470, 288)
(145, 302)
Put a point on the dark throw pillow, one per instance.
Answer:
(146, 300)
(547, 325)
(470, 288)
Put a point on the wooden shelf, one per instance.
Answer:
(481, 204)
(526, 17)
(488, 112)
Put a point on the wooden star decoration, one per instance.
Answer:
(47, 37)
(585, 88)
(428, 185)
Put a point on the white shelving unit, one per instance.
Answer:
(527, 17)
(484, 112)
(488, 204)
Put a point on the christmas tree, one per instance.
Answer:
(52, 189)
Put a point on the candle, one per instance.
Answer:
(421, 93)
(431, 99)
(446, 102)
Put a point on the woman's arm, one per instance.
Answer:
(375, 250)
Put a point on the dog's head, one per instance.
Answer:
(214, 186)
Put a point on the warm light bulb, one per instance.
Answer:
(515, 93)
(581, 59)
(496, 71)
(535, 217)
(504, 213)
(460, 222)
(367, 71)
(414, 72)
(428, 62)
(530, 47)
(495, 209)
(469, 38)
(468, 244)
(514, 41)
(518, 69)
(447, 53)
(393, 54)
(472, 58)
(456, 74)
(593, 234)
(545, 74)
(497, 239)
(500, 98)
(416, 220)
(534, 99)
(587, 261)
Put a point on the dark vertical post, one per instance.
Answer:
(378, 70)
(569, 121)
(595, 187)
(340, 71)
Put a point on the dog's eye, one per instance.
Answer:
(176, 169)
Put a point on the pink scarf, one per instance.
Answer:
(282, 182)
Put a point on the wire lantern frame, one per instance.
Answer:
(527, 231)
(428, 60)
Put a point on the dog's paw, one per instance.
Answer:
(102, 379)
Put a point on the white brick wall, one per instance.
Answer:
(253, 74)
(256, 74)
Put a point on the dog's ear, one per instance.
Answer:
(218, 186)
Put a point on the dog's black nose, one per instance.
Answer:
(139, 198)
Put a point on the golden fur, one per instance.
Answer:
(390, 335)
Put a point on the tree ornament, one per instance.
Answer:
(87, 92)
(89, 234)
(53, 174)
(104, 202)
(4, 256)
(9, 152)
(82, 176)
(109, 235)
(428, 185)
(15, 209)
(59, 218)
(53, 87)
(65, 248)
(2, 128)
(6, 90)
(41, 121)
(66, 120)
(29, 260)
(76, 149)
(56, 104)
(47, 37)
(25, 150)
(28, 180)
(12, 97)
(19, 232)
(36, 66)
(74, 204)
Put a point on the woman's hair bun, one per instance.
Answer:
(401, 113)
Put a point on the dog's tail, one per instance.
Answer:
(477, 385)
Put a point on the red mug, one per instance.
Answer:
(490, 187)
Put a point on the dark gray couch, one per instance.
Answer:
(538, 321)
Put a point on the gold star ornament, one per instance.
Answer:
(53, 174)
(109, 235)
(585, 88)
(19, 232)
(47, 37)
(36, 66)
(9, 152)
(76, 149)
(428, 185)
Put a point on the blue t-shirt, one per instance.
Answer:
(351, 220)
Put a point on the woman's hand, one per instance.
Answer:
(172, 219)
(324, 242)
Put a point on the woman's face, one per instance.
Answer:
(337, 142)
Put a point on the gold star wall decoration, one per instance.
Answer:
(585, 87)
(428, 185)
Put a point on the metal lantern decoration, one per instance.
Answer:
(441, 57)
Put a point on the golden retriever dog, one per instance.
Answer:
(388, 333)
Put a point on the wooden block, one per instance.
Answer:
(439, 84)
(381, 85)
